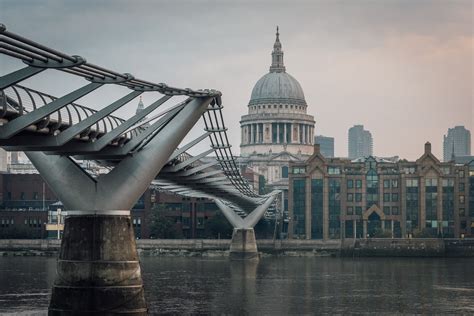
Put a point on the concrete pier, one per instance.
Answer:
(98, 270)
(243, 245)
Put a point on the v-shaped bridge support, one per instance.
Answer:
(244, 245)
(98, 267)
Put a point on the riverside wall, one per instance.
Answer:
(383, 247)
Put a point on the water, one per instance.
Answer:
(274, 286)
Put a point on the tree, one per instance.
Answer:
(219, 227)
(162, 226)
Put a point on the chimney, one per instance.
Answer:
(427, 148)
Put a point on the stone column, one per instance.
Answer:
(291, 133)
(251, 134)
(278, 132)
(365, 228)
(258, 133)
(307, 135)
(284, 133)
(299, 134)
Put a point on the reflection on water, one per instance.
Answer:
(272, 286)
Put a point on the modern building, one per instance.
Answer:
(360, 142)
(340, 198)
(457, 142)
(277, 128)
(326, 144)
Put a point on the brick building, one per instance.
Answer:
(27, 205)
(335, 197)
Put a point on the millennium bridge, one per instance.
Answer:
(98, 271)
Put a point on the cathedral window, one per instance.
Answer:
(284, 172)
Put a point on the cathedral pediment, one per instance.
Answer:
(285, 156)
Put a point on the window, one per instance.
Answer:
(461, 199)
(358, 197)
(358, 210)
(358, 184)
(461, 173)
(412, 183)
(446, 170)
(431, 182)
(461, 186)
(410, 170)
(462, 212)
(386, 197)
(334, 170)
(350, 197)
(394, 210)
(386, 184)
(350, 210)
(447, 183)
(350, 184)
(394, 197)
(284, 172)
(394, 183)
(386, 210)
(299, 170)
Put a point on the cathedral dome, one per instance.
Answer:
(277, 87)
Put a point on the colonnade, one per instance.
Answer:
(279, 133)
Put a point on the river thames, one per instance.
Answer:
(274, 286)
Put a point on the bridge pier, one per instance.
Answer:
(243, 245)
(98, 271)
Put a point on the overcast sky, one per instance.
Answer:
(403, 69)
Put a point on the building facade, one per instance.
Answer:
(27, 206)
(375, 197)
(277, 128)
(326, 145)
(360, 142)
(456, 143)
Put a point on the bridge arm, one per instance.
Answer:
(131, 177)
(73, 186)
(235, 220)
